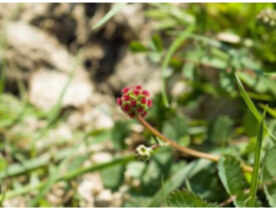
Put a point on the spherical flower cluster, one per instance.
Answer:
(135, 101)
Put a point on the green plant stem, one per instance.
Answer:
(185, 150)
(71, 175)
(255, 175)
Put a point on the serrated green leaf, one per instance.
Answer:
(220, 130)
(270, 161)
(269, 174)
(186, 198)
(231, 176)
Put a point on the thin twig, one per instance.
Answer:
(186, 150)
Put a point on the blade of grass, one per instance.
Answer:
(174, 46)
(271, 74)
(55, 174)
(29, 165)
(43, 160)
(80, 171)
(254, 181)
(249, 103)
(71, 175)
(248, 100)
(2, 197)
(271, 111)
(110, 14)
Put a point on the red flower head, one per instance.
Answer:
(134, 101)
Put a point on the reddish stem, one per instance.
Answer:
(185, 150)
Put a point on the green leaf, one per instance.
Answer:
(270, 162)
(269, 175)
(186, 198)
(247, 100)
(3, 164)
(119, 132)
(176, 180)
(113, 182)
(53, 177)
(136, 46)
(18, 168)
(251, 105)
(221, 130)
(254, 181)
(250, 124)
(270, 192)
(174, 46)
(231, 176)
(176, 128)
(271, 111)
(110, 14)
(157, 43)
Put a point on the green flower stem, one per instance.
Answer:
(185, 150)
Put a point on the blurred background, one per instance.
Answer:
(64, 142)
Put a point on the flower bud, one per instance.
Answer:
(143, 153)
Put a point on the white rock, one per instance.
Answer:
(136, 69)
(103, 199)
(99, 117)
(89, 187)
(46, 87)
(229, 37)
(101, 157)
(180, 88)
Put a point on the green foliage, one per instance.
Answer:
(174, 46)
(3, 164)
(211, 57)
(185, 198)
(251, 105)
(269, 175)
(117, 172)
(135, 46)
(231, 176)
(176, 128)
(176, 180)
(119, 133)
(221, 129)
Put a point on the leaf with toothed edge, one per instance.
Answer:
(185, 198)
